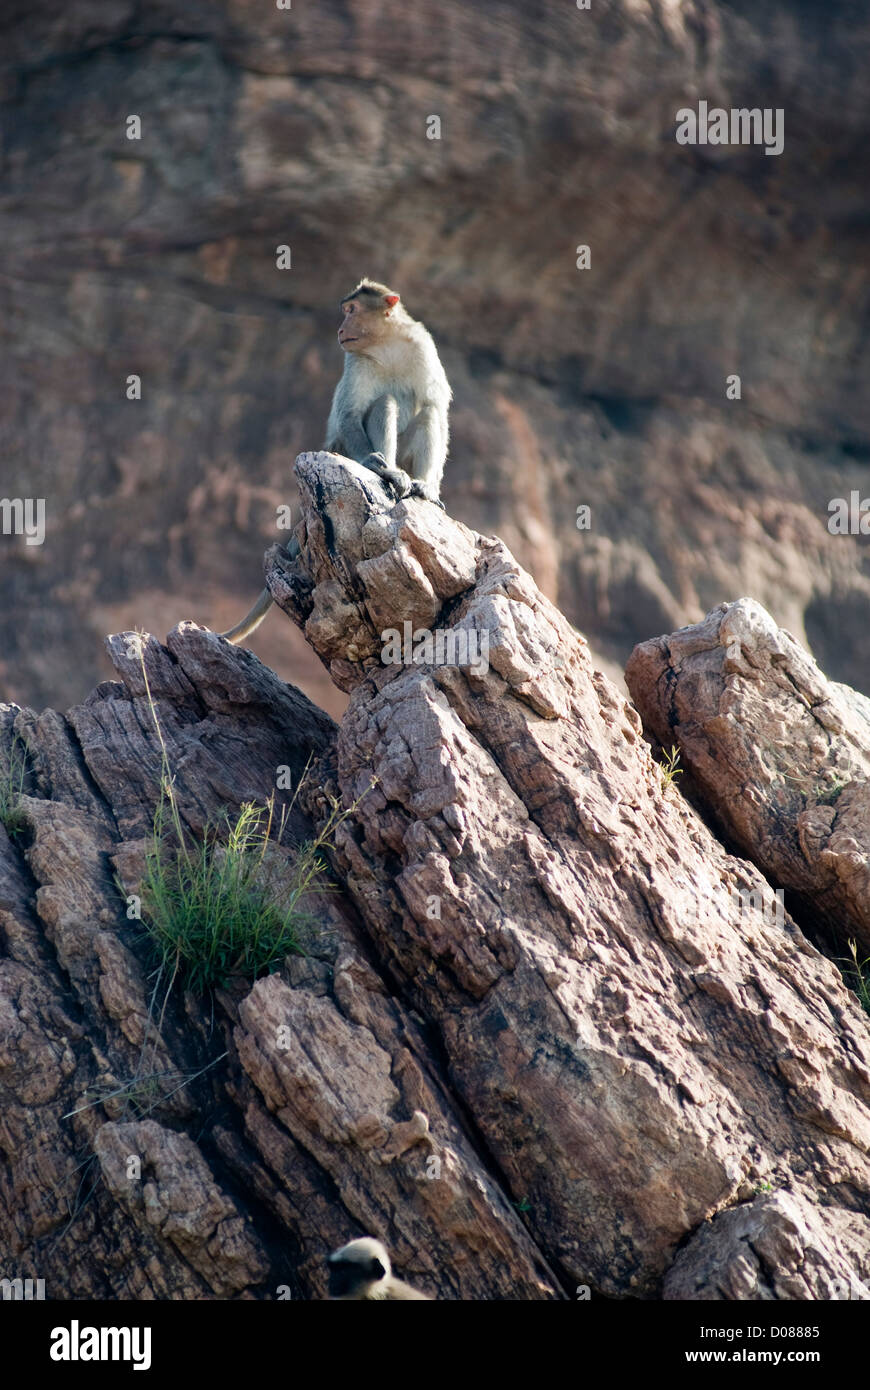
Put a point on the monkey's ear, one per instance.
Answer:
(390, 300)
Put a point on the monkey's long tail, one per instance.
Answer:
(252, 621)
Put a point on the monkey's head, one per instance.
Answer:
(356, 1270)
(370, 314)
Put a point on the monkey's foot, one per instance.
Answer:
(419, 490)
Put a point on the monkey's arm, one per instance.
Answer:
(365, 428)
(382, 428)
(428, 449)
(372, 444)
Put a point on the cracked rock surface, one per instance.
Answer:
(779, 755)
(547, 1031)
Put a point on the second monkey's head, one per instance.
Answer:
(371, 314)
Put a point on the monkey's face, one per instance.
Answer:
(366, 321)
(353, 1276)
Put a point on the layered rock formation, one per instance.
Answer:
(778, 754)
(545, 1032)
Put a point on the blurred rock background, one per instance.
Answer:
(606, 387)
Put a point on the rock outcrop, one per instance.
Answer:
(781, 1246)
(779, 755)
(548, 1031)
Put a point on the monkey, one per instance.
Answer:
(360, 1272)
(389, 409)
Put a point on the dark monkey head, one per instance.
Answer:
(371, 313)
(357, 1267)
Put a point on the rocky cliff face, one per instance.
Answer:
(604, 387)
(549, 1032)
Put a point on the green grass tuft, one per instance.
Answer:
(856, 974)
(231, 904)
(13, 771)
(670, 766)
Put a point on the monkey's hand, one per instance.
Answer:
(395, 478)
(376, 462)
(419, 490)
(398, 480)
